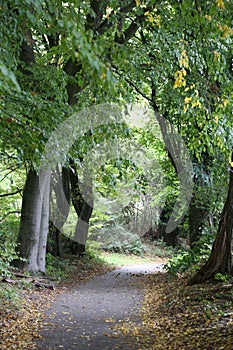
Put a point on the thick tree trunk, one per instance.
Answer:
(44, 224)
(169, 237)
(197, 218)
(60, 206)
(220, 260)
(83, 207)
(33, 228)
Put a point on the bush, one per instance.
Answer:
(117, 239)
(186, 259)
(57, 268)
(7, 248)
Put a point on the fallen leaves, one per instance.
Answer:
(21, 323)
(176, 316)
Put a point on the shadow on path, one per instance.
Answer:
(80, 319)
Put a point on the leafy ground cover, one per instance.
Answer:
(177, 316)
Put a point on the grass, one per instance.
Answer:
(118, 259)
(154, 253)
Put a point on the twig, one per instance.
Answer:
(10, 212)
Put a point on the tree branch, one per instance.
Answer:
(107, 23)
(10, 212)
(136, 88)
(10, 194)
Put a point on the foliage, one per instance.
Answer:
(9, 295)
(7, 248)
(191, 259)
(11, 183)
(57, 268)
(222, 277)
(118, 239)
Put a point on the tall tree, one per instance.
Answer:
(62, 59)
(220, 260)
(181, 64)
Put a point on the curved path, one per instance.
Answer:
(80, 319)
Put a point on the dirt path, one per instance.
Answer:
(80, 319)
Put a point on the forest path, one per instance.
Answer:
(81, 318)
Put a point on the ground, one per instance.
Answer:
(132, 307)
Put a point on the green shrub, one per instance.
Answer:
(7, 249)
(186, 259)
(58, 268)
(119, 240)
(9, 296)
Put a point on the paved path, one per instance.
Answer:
(80, 319)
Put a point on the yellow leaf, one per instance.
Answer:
(196, 104)
(150, 18)
(187, 99)
(220, 4)
(103, 76)
(216, 55)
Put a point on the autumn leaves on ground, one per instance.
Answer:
(173, 315)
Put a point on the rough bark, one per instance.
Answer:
(220, 260)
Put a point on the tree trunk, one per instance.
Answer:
(220, 260)
(197, 217)
(33, 228)
(60, 206)
(44, 224)
(169, 237)
(83, 207)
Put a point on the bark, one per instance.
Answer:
(169, 237)
(44, 224)
(33, 228)
(83, 207)
(220, 260)
(197, 218)
(60, 209)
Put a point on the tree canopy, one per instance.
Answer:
(60, 58)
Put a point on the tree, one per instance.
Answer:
(183, 70)
(220, 260)
(176, 55)
(62, 61)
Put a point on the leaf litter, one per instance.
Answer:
(177, 316)
(21, 322)
(172, 316)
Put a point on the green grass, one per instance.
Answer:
(118, 259)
